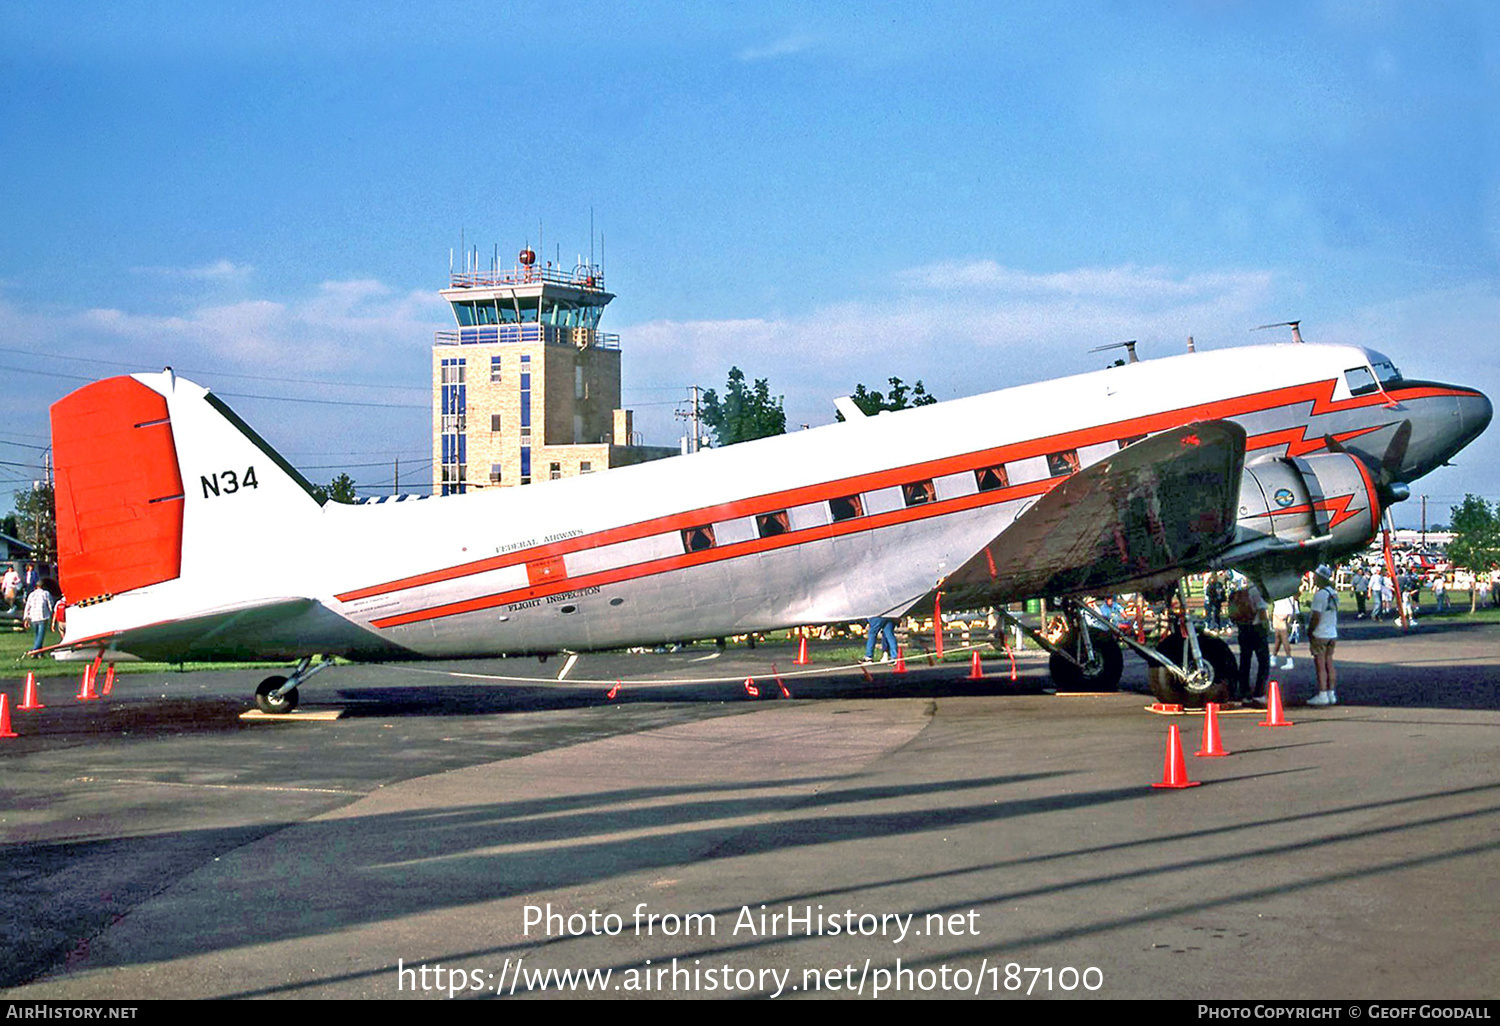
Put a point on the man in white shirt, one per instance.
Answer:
(1323, 633)
(38, 614)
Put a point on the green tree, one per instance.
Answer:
(899, 398)
(36, 522)
(340, 489)
(1476, 534)
(744, 412)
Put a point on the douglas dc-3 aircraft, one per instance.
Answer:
(182, 535)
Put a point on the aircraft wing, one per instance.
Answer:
(1132, 521)
(272, 629)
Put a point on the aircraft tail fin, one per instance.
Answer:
(156, 477)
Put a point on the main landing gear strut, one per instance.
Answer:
(278, 695)
(1186, 667)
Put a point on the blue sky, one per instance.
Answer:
(970, 194)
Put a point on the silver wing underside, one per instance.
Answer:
(1136, 520)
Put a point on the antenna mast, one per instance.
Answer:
(1296, 333)
(1129, 347)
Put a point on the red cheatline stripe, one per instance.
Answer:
(721, 553)
(1315, 392)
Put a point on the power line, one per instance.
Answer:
(324, 402)
(206, 371)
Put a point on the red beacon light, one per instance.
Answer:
(527, 257)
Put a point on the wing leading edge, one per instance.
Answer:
(1134, 520)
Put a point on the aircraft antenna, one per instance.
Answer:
(1129, 348)
(1191, 348)
(1296, 333)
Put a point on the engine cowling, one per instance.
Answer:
(1301, 511)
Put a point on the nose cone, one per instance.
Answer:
(1444, 421)
(1474, 414)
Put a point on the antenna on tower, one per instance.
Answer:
(1296, 334)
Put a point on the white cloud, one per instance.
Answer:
(218, 271)
(960, 327)
(784, 47)
(343, 326)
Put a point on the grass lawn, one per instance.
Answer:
(15, 644)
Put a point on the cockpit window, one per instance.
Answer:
(1386, 371)
(1361, 380)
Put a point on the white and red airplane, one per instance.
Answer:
(182, 535)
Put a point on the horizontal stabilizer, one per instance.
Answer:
(274, 629)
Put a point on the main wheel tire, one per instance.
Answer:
(1102, 674)
(273, 706)
(1220, 658)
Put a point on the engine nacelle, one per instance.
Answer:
(1298, 512)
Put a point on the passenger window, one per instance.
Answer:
(770, 524)
(990, 478)
(1361, 380)
(846, 508)
(696, 539)
(918, 492)
(1061, 464)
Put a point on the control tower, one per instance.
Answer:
(527, 388)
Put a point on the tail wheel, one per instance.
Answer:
(270, 704)
(1100, 673)
(1212, 682)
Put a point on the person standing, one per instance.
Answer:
(1283, 611)
(1214, 596)
(884, 628)
(1322, 635)
(1361, 585)
(1247, 608)
(38, 614)
(1374, 593)
(10, 587)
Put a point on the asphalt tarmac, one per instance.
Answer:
(924, 835)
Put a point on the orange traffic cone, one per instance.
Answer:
(900, 659)
(613, 691)
(109, 680)
(801, 659)
(1174, 772)
(784, 692)
(86, 687)
(1211, 743)
(976, 670)
(750, 688)
(5, 730)
(1274, 715)
(30, 699)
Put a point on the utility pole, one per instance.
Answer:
(695, 429)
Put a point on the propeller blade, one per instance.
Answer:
(1395, 453)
